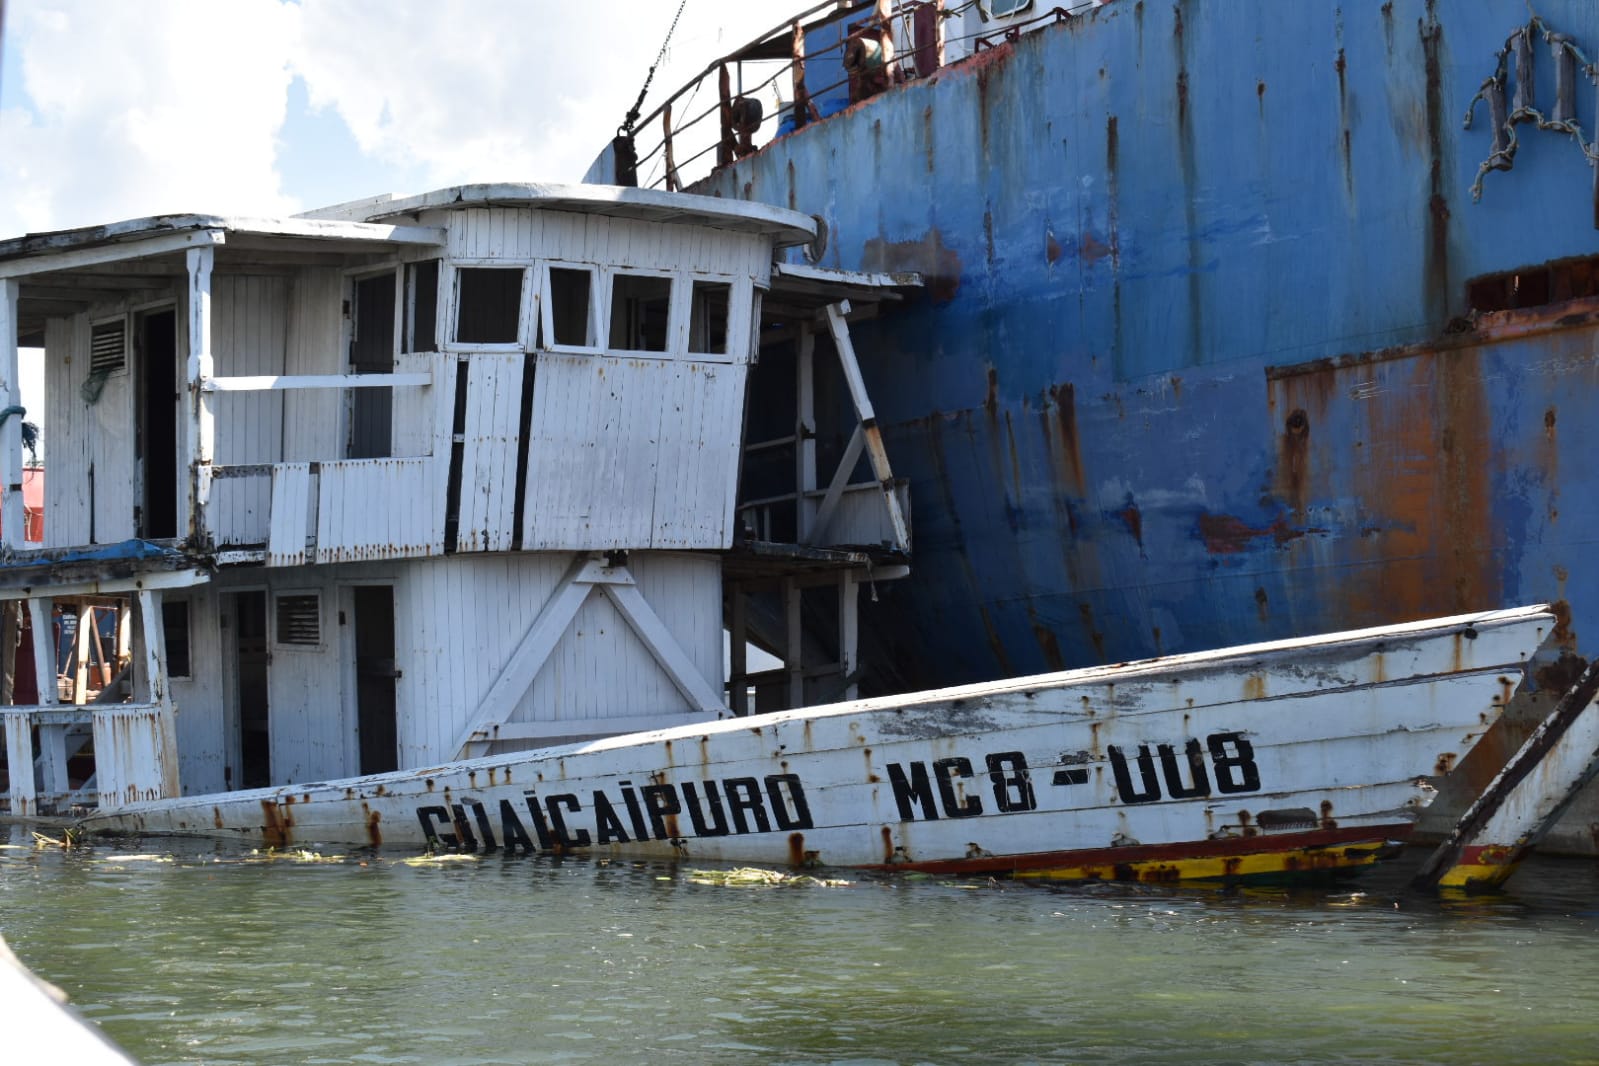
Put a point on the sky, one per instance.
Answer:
(114, 109)
(118, 109)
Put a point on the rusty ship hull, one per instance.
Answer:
(1242, 321)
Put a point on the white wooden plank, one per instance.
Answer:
(109, 253)
(375, 509)
(199, 444)
(525, 662)
(20, 787)
(290, 518)
(312, 423)
(11, 517)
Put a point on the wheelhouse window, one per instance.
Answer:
(708, 317)
(488, 305)
(421, 306)
(569, 308)
(641, 306)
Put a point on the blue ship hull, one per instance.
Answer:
(1197, 363)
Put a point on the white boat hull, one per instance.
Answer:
(1264, 759)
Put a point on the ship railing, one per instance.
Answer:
(874, 44)
(270, 511)
(133, 755)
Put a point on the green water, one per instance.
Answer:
(205, 954)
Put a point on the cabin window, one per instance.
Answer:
(1001, 8)
(421, 306)
(708, 312)
(299, 619)
(488, 305)
(569, 308)
(641, 307)
(175, 630)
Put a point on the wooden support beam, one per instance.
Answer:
(835, 488)
(11, 516)
(80, 675)
(20, 789)
(665, 648)
(525, 662)
(836, 313)
(277, 382)
(849, 631)
(805, 431)
(738, 638)
(794, 638)
(201, 442)
(46, 261)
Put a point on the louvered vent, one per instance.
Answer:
(108, 348)
(300, 619)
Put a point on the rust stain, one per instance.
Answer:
(1225, 534)
(1091, 249)
(888, 844)
(991, 399)
(1133, 519)
(1561, 674)
(1327, 820)
(374, 835)
(796, 849)
(1047, 642)
(1255, 687)
(216, 817)
(1065, 446)
(1293, 461)
(1052, 248)
(278, 830)
(939, 265)
(1095, 637)
(1445, 763)
(1436, 251)
(1261, 602)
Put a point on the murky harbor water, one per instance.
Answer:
(191, 953)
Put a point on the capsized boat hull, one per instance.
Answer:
(1288, 757)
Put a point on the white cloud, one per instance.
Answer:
(138, 109)
(490, 91)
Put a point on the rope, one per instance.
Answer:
(626, 129)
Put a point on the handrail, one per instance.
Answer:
(278, 382)
(794, 29)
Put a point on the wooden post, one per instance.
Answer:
(849, 631)
(672, 184)
(80, 676)
(10, 633)
(725, 147)
(164, 743)
(52, 738)
(802, 95)
(201, 443)
(24, 795)
(869, 429)
(738, 680)
(155, 645)
(794, 637)
(805, 433)
(12, 521)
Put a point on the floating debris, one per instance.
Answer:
(437, 860)
(754, 876)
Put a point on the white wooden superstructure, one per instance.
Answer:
(406, 481)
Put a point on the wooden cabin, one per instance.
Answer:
(408, 480)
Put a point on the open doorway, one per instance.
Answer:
(155, 339)
(251, 661)
(372, 352)
(375, 675)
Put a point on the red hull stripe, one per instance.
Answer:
(1109, 858)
